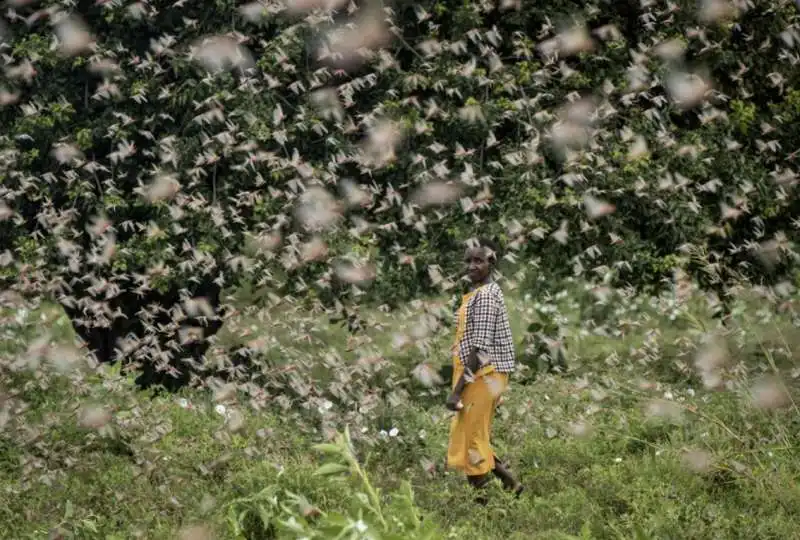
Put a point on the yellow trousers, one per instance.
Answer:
(469, 449)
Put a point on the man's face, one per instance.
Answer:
(477, 264)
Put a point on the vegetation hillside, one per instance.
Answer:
(655, 432)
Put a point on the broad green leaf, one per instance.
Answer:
(327, 448)
(331, 468)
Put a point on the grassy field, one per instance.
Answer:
(629, 443)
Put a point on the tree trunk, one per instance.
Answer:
(108, 343)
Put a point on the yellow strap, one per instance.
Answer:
(461, 329)
(461, 326)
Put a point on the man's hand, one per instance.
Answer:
(454, 402)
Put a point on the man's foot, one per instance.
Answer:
(480, 482)
(509, 482)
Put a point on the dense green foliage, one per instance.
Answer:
(477, 105)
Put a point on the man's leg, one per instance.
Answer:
(509, 482)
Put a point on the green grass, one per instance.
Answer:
(160, 466)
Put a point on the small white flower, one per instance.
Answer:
(220, 409)
(618, 460)
(326, 405)
(183, 403)
(393, 432)
(360, 526)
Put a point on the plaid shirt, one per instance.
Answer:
(488, 329)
